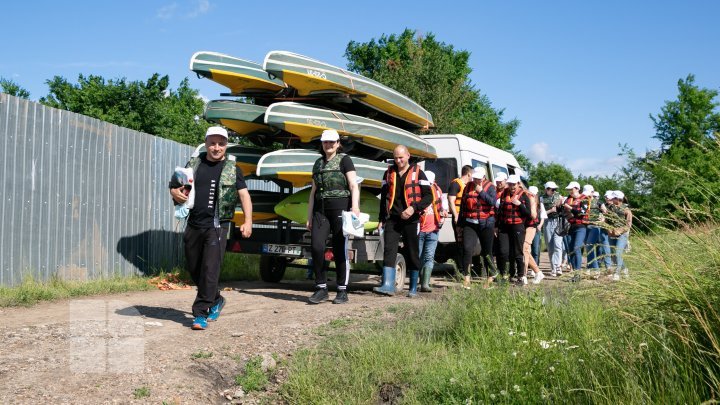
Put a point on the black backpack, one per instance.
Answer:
(563, 227)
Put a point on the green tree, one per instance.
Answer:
(544, 172)
(690, 120)
(150, 107)
(435, 75)
(678, 183)
(13, 89)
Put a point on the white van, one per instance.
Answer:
(455, 151)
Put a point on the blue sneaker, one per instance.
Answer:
(199, 323)
(215, 310)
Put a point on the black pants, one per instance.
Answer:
(395, 228)
(204, 253)
(458, 256)
(510, 240)
(323, 223)
(484, 233)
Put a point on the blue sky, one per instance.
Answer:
(581, 76)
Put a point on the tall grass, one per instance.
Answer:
(650, 339)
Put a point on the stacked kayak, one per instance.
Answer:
(284, 104)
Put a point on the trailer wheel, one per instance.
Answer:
(400, 267)
(272, 268)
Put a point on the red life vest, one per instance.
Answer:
(436, 207)
(413, 194)
(576, 204)
(511, 212)
(474, 207)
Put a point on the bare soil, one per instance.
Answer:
(139, 348)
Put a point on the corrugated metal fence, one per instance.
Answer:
(82, 198)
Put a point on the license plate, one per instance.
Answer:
(290, 250)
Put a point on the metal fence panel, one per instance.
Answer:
(82, 198)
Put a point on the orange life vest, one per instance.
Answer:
(436, 206)
(510, 212)
(576, 204)
(474, 207)
(458, 196)
(413, 194)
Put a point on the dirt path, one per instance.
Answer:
(103, 349)
(139, 348)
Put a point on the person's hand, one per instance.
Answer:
(516, 202)
(246, 229)
(308, 224)
(380, 225)
(356, 212)
(409, 211)
(178, 194)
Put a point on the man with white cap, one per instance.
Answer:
(477, 216)
(552, 201)
(431, 220)
(576, 208)
(592, 239)
(219, 185)
(619, 222)
(513, 212)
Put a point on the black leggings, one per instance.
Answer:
(472, 234)
(510, 240)
(323, 223)
(395, 228)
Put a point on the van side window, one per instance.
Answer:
(445, 169)
(498, 169)
(476, 163)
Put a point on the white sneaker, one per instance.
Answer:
(524, 280)
(559, 273)
(538, 278)
(616, 277)
(531, 275)
(553, 273)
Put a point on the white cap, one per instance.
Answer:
(479, 172)
(618, 194)
(216, 131)
(430, 176)
(502, 176)
(595, 194)
(329, 135)
(573, 184)
(513, 179)
(551, 184)
(533, 190)
(609, 194)
(588, 189)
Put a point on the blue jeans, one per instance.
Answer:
(592, 247)
(428, 243)
(554, 243)
(618, 246)
(535, 247)
(577, 241)
(605, 248)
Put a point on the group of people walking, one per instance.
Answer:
(498, 220)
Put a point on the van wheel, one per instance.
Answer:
(272, 268)
(400, 267)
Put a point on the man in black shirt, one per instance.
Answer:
(218, 184)
(404, 195)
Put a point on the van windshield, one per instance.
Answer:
(445, 170)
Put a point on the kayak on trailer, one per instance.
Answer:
(307, 123)
(295, 207)
(295, 166)
(242, 118)
(241, 76)
(263, 205)
(311, 77)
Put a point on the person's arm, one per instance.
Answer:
(524, 206)
(543, 216)
(311, 206)
(382, 214)
(351, 177)
(246, 203)
(489, 196)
